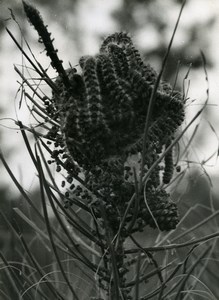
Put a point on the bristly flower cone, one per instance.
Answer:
(101, 111)
(102, 118)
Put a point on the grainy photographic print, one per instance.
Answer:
(109, 145)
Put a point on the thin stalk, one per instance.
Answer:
(137, 276)
(153, 97)
(115, 283)
(176, 246)
(147, 276)
(190, 141)
(136, 208)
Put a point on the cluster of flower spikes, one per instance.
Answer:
(102, 118)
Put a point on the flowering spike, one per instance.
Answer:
(120, 98)
(119, 60)
(36, 20)
(92, 87)
(141, 87)
(118, 38)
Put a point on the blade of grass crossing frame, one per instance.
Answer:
(206, 238)
(148, 275)
(153, 96)
(136, 209)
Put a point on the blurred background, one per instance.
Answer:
(78, 28)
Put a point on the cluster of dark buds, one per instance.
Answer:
(99, 112)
